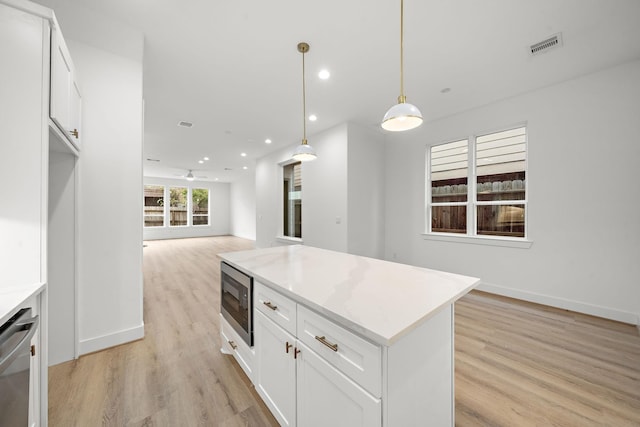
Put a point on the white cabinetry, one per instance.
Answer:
(276, 369)
(298, 385)
(66, 101)
(326, 397)
(373, 339)
(233, 344)
(23, 139)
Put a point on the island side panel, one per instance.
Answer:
(420, 375)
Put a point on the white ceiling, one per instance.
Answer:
(232, 68)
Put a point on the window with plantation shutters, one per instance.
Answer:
(477, 186)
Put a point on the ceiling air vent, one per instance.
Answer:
(185, 124)
(546, 45)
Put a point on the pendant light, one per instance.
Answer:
(190, 176)
(402, 116)
(304, 152)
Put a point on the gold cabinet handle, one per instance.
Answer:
(296, 352)
(74, 133)
(287, 347)
(324, 341)
(233, 345)
(271, 306)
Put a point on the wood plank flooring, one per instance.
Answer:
(517, 364)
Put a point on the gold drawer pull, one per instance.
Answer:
(324, 341)
(233, 345)
(271, 306)
(74, 133)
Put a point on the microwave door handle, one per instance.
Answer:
(31, 325)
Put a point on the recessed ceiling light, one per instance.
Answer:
(243, 154)
(324, 74)
(313, 118)
(201, 161)
(245, 168)
(185, 124)
(205, 158)
(216, 179)
(267, 141)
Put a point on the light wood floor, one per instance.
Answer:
(517, 364)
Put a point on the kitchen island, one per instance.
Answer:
(342, 339)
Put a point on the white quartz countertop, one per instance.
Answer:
(380, 300)
(12, 298)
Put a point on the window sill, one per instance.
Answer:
(480, 240)
(290, 240)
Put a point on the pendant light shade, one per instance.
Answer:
(189, 176)
(304, 152)
(402, 116)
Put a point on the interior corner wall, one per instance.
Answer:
(242, 205)
(219, 196)
(583, 207)
(324, 193)
(109, 198)
(365, 192)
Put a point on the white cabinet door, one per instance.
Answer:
(328, 398)
(276, 369)
(65, 103)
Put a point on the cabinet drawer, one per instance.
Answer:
(232, 344)
(275, 306)
(357, 358)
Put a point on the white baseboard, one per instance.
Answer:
(121, 337)
(577, 306)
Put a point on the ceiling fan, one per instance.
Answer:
(189, 176)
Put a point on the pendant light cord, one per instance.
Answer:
(304, 105)
(402, 50)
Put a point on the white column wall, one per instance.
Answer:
(219, 220)
(324, 193)
(366, 185)
(110, 199)
(243, 206)
(583, 153)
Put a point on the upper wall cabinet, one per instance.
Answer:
(66, 100)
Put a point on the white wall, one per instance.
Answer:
(61, 256)
(324, 193)
(110, 198)
(218, 213)
(583, 198)
(366, 192)
(243, 206)
(342, 192)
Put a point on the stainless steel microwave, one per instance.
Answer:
(236, 301)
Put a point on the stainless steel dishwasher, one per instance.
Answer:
(15, 363)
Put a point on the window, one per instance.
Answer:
(200, 206)
(292, 197)
(153, 206)
(177, 206)
(488, 199)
